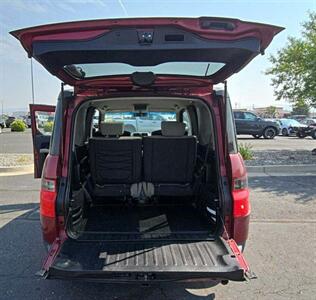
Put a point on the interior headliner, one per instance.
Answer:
(153, 103)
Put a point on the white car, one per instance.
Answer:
(289, 126)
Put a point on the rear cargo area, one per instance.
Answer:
(147, 206)
(116, 222)
(154, 242)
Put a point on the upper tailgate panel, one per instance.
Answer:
(146, 42)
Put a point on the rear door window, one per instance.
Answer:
(250, 116)
(44, 122)
(238, 115)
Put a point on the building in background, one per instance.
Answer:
(272, 112)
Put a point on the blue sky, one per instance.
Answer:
(250, 87)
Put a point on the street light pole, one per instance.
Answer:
(32, 81)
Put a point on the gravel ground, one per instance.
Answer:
(13, 160)
(282, 157)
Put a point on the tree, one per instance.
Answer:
(271, 112)
(294, 67)
(300, 108)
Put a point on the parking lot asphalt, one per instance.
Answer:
(16, 142)
(279, 143)
(280, 249)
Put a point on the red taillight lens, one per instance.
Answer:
(241, 207)
(240, 192)
(48, 198)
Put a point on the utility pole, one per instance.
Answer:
(32, 81)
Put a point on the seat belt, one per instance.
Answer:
(78, 174)
(201, 171)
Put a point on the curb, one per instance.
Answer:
(281, 169)
(26, 168)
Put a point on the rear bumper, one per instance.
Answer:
(143, 277)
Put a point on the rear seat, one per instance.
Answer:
(169, 160)
(115, 161)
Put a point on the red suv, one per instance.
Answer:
(169, 203)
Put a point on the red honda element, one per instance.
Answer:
(169, 201)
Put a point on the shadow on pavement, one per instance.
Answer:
(8, 208)
(22, 252)
(302, 188)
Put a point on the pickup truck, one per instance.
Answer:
(147, 123)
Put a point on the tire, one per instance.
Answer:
(300, 135)
(313, 134)
(269, 133)
(285, 132)
(257, 136)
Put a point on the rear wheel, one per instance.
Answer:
(285, 132)
(301, 135)
(269, 133)
(313, 135)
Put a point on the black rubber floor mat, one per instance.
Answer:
(116, 223)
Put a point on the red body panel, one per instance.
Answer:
(242, 29)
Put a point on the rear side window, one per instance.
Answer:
(250, 116)
(186, 120)
(230, 127)
(238, 115)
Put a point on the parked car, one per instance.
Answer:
(27, 121)
(2, 123)
(249, 123)
(144, 209)
(9, 121)
(290, 126)
(134, 124)
(309, 130)
(309, 121)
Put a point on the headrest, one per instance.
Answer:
(172, 128)
(111, 129)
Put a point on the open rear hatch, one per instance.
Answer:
(161, 260)
(84, 53)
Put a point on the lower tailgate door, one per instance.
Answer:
(149, 261)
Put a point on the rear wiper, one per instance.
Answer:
(75, 71)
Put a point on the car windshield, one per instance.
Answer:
(169, 68)
(291, 122)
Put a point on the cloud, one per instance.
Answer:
(45, 6)
(123, 7)
(28, 5)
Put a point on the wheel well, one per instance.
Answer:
(270, 126)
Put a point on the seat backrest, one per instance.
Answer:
(169, 158)
(115, 159)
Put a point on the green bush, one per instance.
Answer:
(18, 125)
(48, 127)
(246, 151)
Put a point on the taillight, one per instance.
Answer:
(241, 205)
(48, 198)
(240, 195)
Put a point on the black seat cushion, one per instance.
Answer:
(169, 160)
(115, 160)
